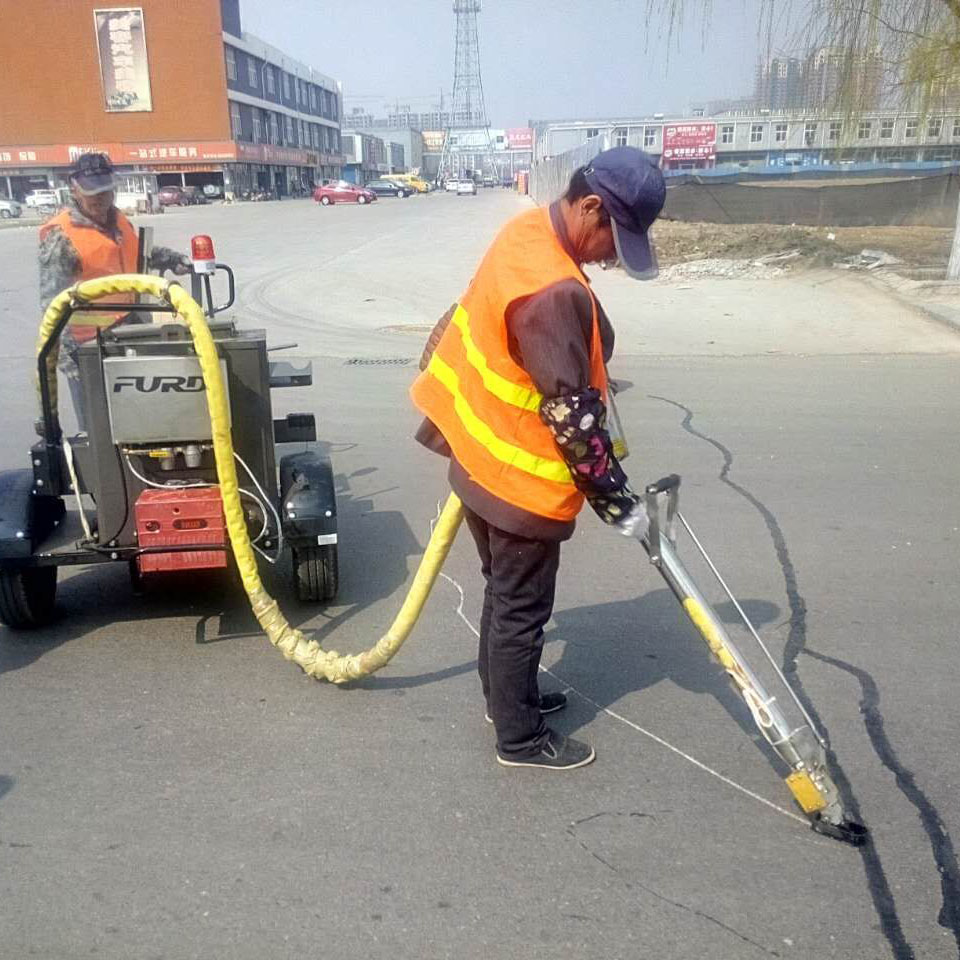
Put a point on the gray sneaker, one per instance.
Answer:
(549, 703)
(558, 753)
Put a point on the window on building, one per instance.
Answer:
(286, 86)
(620, 137)
(864, 129)
(257, 127)
(649, 136)
(934, 127)
(886, 129)
(756, 133)
(236, 126)
(252, 73)
(288, 129)
(592, 132)
(313, 99)
(956, 129)
(274, 129)
(836, 128)
(231, 59)
(726, 133)
(269, 79)
(780, 133)
(910, 131)
(809, 133)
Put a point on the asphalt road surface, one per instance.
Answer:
(171, 787)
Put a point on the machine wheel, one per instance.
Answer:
(361, 199)
(316, 573)
(27, 596)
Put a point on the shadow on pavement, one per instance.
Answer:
(615, 649)
(373, 564)
(6, 785)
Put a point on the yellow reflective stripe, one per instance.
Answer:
(554, 470)
(500, 387)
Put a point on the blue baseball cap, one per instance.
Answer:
(631, 186)
(93, 173)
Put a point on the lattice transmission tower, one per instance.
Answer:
(468, 113)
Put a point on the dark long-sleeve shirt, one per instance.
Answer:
(550, 336)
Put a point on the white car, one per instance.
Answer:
(451, 186)
(43, 198)
(9, 208)
(466, 188)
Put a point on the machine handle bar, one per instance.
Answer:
(663, 485)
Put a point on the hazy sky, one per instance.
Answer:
(540, 60)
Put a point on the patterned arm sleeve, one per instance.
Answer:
(163, 258)
(59, 265)
(578, 423)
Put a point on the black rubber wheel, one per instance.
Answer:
(316, 573)
(361, 199)
(325, 201)
(6, 214)
(27, 596)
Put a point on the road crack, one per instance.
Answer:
(941, 844)
(676, 904)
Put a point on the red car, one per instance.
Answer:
(173, 197)
(342, 192)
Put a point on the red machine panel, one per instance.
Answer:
(181, 518)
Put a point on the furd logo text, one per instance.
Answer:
(159, 384)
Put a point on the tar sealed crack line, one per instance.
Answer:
(943, 852)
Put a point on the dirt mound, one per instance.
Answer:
(680, 242)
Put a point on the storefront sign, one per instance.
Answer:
(269, 153)
(124, 71)
(122, 154)
(690, 141)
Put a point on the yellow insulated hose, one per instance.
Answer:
(307, 654)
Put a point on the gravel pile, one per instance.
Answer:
(725, 269)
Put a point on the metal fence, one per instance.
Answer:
(549, 178)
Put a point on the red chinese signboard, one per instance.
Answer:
(519, 138)
(163, 155)
(122, 154)
(689, 141)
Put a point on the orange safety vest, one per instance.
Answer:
(484, 403)
(100, 256)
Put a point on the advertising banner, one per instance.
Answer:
(433, 140)
(519, 138)
(124, 71)
(690, 141)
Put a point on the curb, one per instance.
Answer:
(907, 292)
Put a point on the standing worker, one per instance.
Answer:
(514, 391)
(91, 238)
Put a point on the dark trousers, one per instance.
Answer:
(521, 577)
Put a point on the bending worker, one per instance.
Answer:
(91, 238)
(514, 388)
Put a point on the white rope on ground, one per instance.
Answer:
(569, 688)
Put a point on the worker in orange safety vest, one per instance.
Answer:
(91, 238)
(515, 392)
